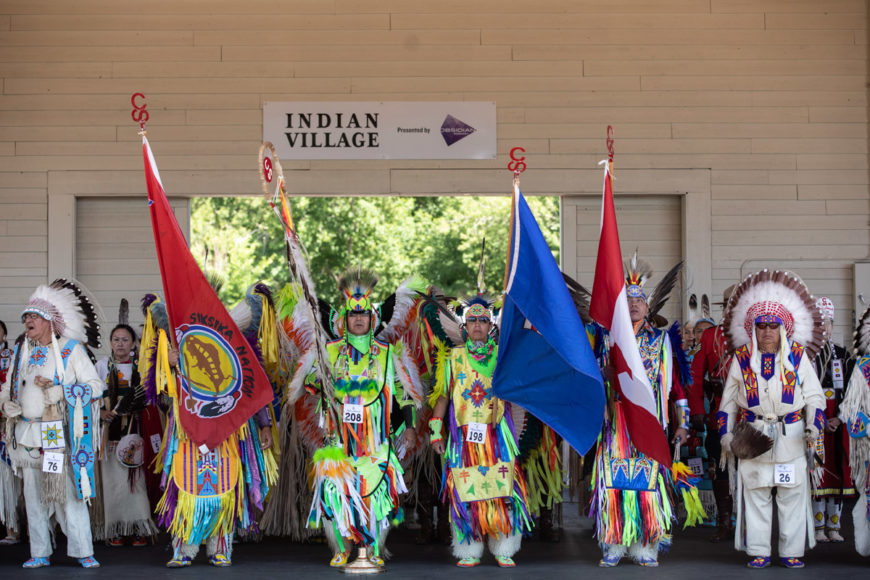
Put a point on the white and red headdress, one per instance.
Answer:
(773, 297)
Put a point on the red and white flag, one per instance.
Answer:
(609, 308)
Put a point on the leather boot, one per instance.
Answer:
(724, 504)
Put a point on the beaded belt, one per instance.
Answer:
(787, 419)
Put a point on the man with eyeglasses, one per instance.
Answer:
(774, 327)
(49, 398)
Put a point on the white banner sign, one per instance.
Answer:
(381, 130)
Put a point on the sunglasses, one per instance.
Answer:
(480, 319)
(766, 325)
(358, 313)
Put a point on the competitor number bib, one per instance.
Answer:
(52, 462)
(476, 433)
(784, 474)
(352, 413)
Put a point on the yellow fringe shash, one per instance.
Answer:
(219, 511)
(442, 377)
(268, 341)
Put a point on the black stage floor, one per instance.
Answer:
(692, 556)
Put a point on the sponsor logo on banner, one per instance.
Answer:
(381, 130)
(452, 129)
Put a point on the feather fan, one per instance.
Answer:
(749, 442)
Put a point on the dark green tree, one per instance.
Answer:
(436, 238)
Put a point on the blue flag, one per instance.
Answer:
(549, 369)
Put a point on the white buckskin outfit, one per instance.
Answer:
(778, 394)
(66, 361)
(855, 414)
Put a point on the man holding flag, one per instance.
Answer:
(483, 484)
(632, 467)
(216, 459)
(543, 363)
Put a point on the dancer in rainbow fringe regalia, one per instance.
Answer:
(210, 493)
(351, 368)
(483, 484)
(631, 499)
(357, 477)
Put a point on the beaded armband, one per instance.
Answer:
(435, 425)
(819, 420)
(682, 406)
(722, 422)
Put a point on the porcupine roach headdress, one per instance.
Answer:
(478, 305)
(637, 274)
(773, 296)
(356, 285)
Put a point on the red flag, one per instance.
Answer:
(222, 384)
(609, 307)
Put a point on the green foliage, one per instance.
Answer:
(239, 239)
(437, 238)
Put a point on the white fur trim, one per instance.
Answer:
(329, 532)
(462, 550)
(382, 543)
(181, 549)
(505, 547)
(639, 551)
(614, 550)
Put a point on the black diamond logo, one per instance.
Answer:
(452, 129)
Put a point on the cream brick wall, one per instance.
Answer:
(754, 110)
